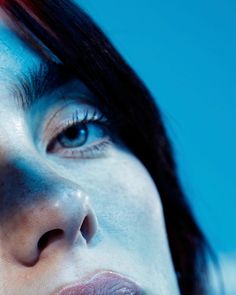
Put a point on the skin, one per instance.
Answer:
(103, 211)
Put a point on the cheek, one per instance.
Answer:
(124, 198)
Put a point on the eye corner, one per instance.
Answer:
(50, 146)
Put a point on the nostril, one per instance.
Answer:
(48, 238)
(86, 228)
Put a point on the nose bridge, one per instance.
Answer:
(35, 201)
(26, 181)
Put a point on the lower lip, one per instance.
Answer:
(105, 283)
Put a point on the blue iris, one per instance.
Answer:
(74, 136)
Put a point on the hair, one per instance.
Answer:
(64, 29)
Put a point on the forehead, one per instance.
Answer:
(15, 56)
(23, 70)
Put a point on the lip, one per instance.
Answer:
(104, 283)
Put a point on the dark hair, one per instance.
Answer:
(63, 28)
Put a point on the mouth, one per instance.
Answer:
(104, 283)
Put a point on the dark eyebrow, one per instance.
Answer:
(37, 82)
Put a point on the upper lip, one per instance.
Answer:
(103, 283)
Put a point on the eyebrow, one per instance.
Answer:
(37, 82)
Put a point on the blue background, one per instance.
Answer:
(185, 51)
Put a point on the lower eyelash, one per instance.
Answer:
(95, 150)
(95, 118)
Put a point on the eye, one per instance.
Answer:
(84, 136)
(73, 136)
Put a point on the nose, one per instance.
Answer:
(41, 213)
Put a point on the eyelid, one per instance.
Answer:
(63, 119)
(90, 151)
(75, 121)
(68, 116)
(80, 101)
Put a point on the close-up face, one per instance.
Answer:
(76, 206)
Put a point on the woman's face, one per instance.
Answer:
(73, 203)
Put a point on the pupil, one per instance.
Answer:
(74, 136)
(73, 132)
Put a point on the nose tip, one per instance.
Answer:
(51, 225)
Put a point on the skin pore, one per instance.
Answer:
(94, 200)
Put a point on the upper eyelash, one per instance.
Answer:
(76, 121)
